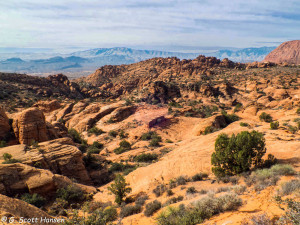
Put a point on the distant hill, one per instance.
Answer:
(84, 62)
(287, 52)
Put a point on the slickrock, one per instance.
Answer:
(59, 156)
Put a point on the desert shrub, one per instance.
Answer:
(70, 194)
(99, 217)
(202, 192)
(91, 162)
(230, 118)
(181, 180)
(95, 148)
(209, 130)
(292, 211)
(263, 178)
(175, 105)
(124, 147)
(170, 192)
(223, 189)
(76, 137)
(173, 200)
(274, 125)
(242, 124)
(154, 143)
(159, 190)
(292, 129)
(34, 199)
(119, 167)
(261, 219)
(270, 161)
(191, 190)
(265, 117)
(141, 200)
(8, 159)
(237, 154)
(237, 107)
(119, 188)
(199, 211)
(95, 130)
(239, 189)
(113, 133)
(150, 135)
(2, 144)
(168, 141)
(58, 207)
(130, 210)
(152, 207)
(298, 111)
(172, 183)
(283, 170)
(290, 187)
(146, 157)
(122, 134)
(199, 176)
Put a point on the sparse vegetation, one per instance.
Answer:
(243, 124)
(199, 176)
(130, 210)
(34, 199)
(124, 147)
(95, 130)
(198, 212)
(274, 125)
(152, 207)
(265, 117)
(8, 159)
(146, 157)
(70, 194)
(119, 188)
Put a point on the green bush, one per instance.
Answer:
(237, 154)
(292, 211)
(298, 111)
(3, 144)
(230, 118)
(34, 199)
(8, 159)
(124, 147)
(152, 207)
(130, 210)
(265, 117)
(75, 135)
(146, 157)
(95, 148)
(274, 125)
(242, 124)
(191, 190)
(70, 193)
(181, 180)
(153, 137)
(209, 130)
(173, 200)
(95, 130)
(113, 133)
(154, 143)
(141, 200)
(159, 190)
(199, 176)
(119, 167)
(237, 107)
(119, 188)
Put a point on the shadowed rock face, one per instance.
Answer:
(4, 124)
(287, 52)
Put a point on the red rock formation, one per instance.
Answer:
(287, 52)
(4, 124)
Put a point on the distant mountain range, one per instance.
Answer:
(85, 62)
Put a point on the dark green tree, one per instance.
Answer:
(119, 188)
(238, 153)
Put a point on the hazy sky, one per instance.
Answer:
(145, 23)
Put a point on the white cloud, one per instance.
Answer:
(99, 23)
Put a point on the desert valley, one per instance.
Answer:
(161, 141)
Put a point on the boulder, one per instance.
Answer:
(215, 122)
(30, 125)
(4, 124)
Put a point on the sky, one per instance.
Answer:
(147, 24)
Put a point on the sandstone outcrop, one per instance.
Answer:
(215, 122)
(59, 156)
(47, 106)
(288, 52)
(30, 125)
